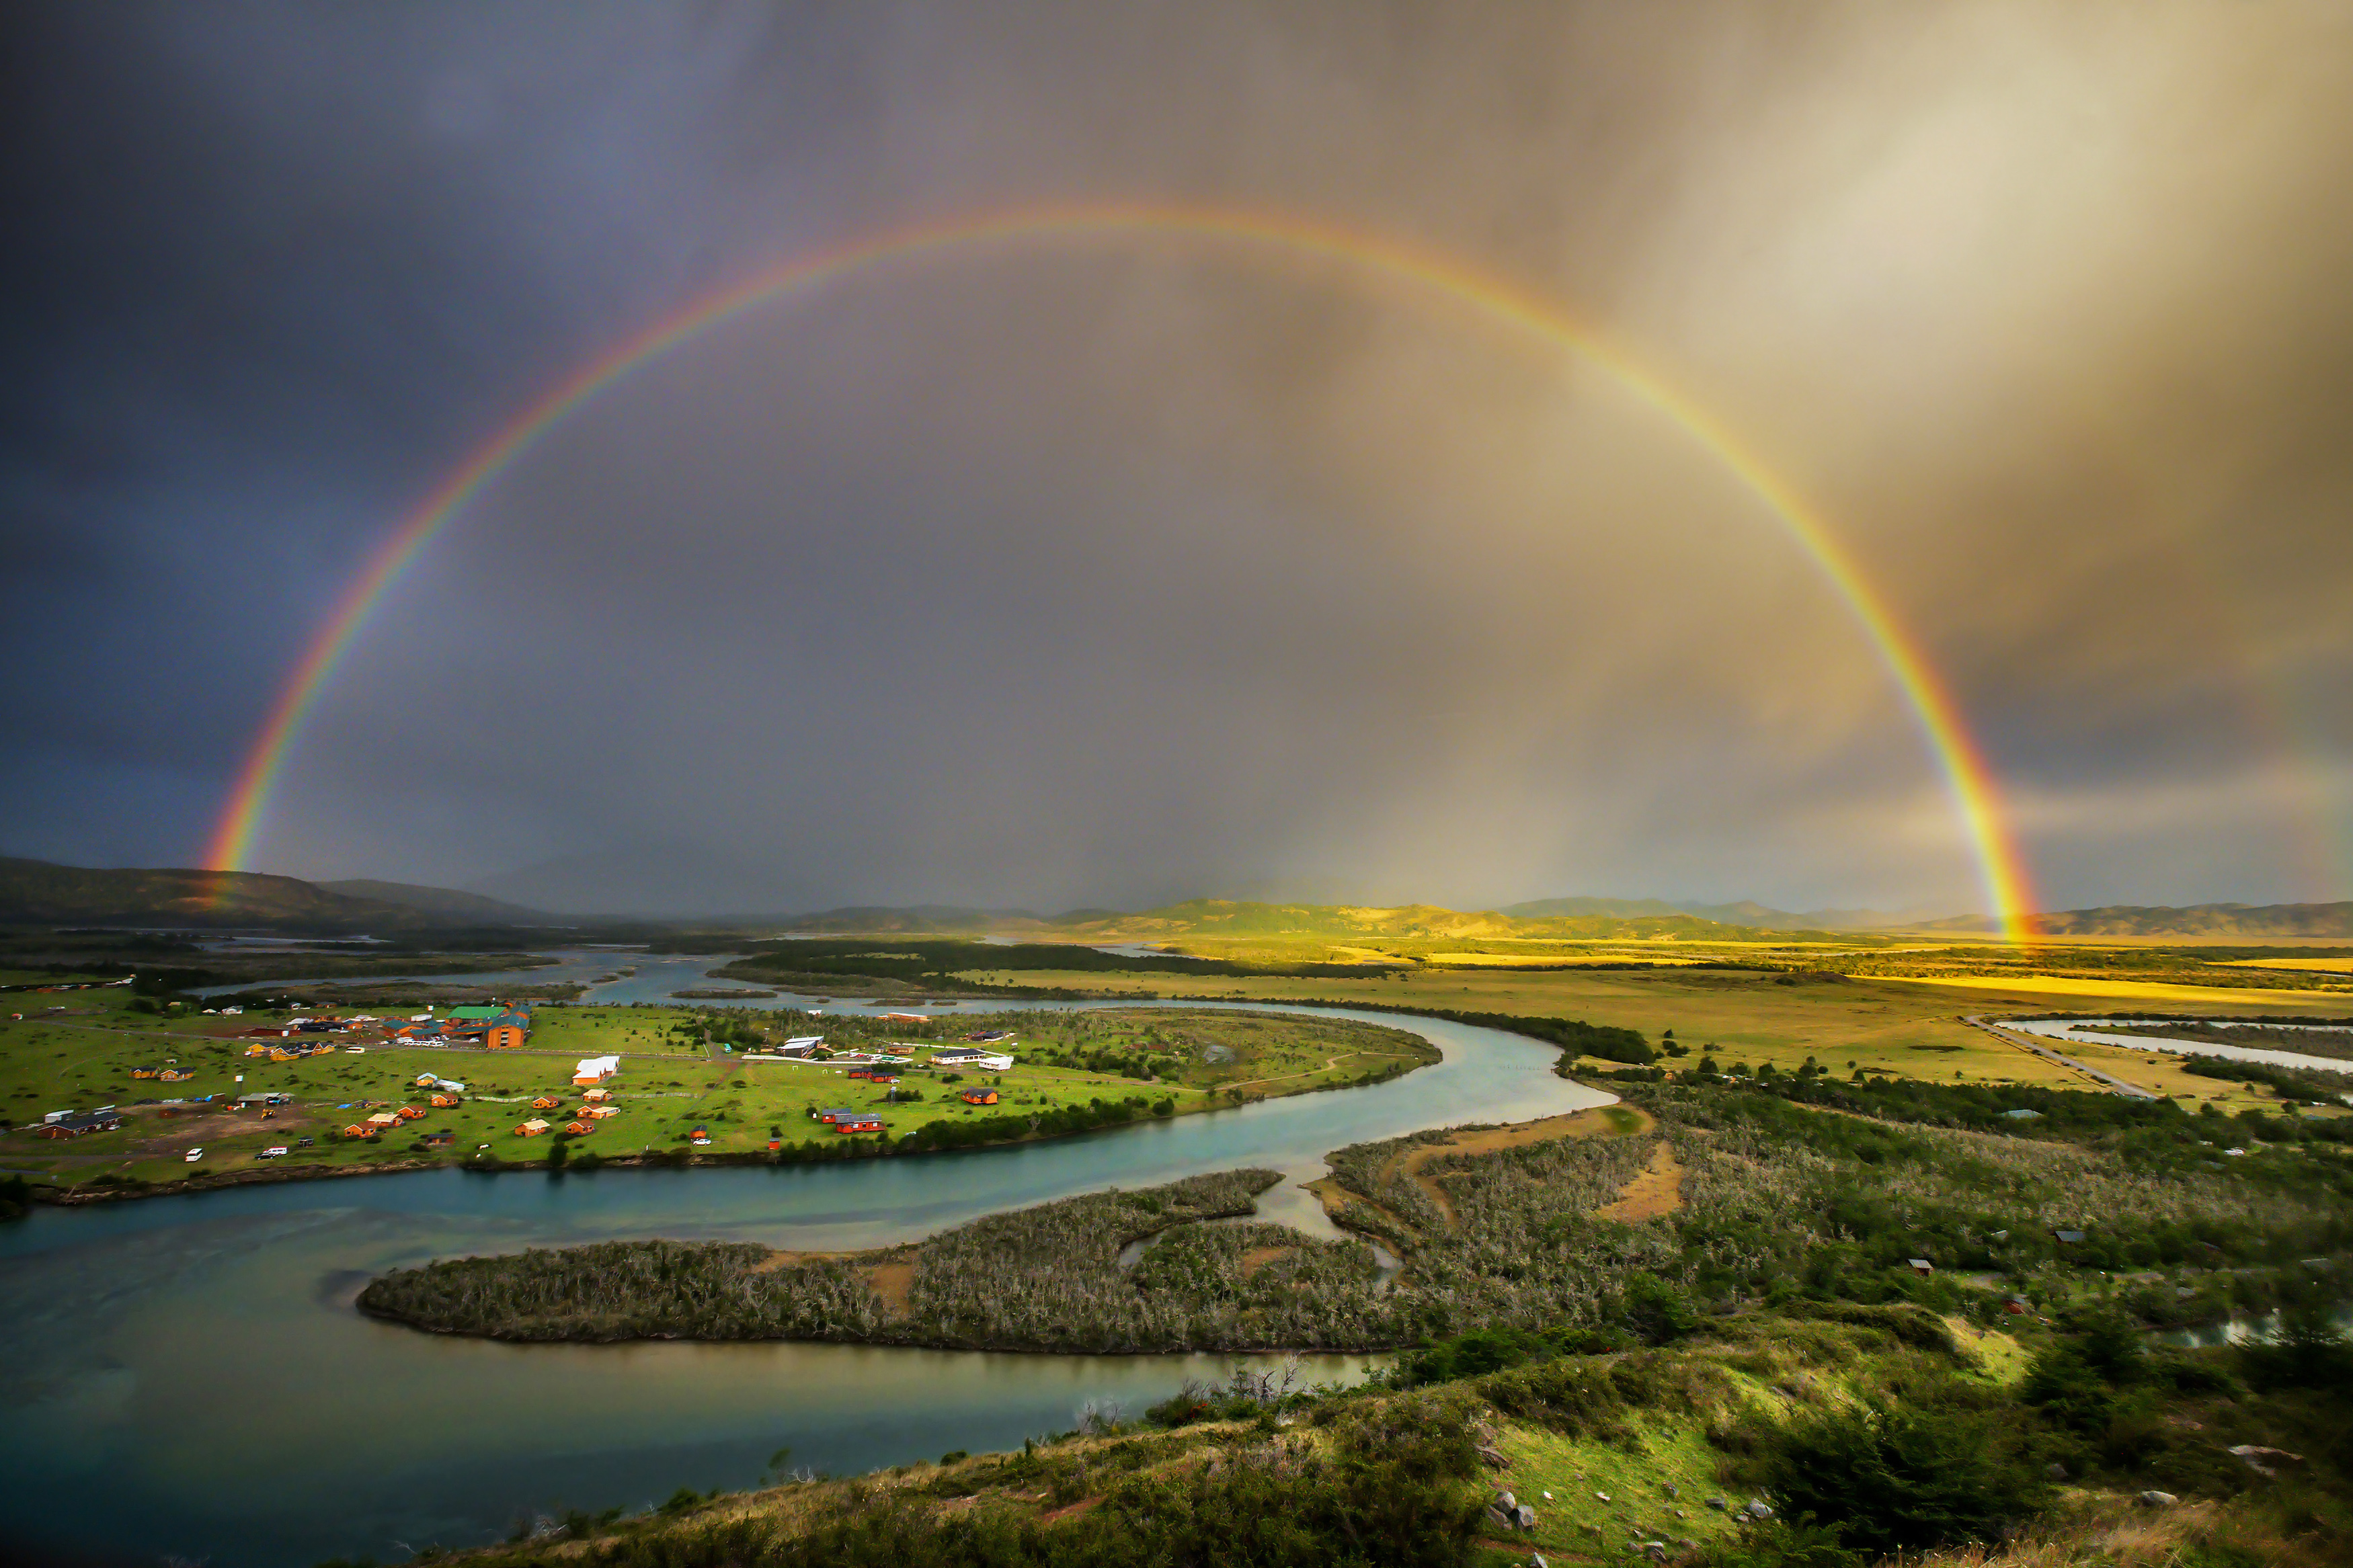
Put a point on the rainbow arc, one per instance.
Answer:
(1969, 780)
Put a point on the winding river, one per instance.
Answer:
(187, 1377)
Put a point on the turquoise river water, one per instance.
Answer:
(186, 1377)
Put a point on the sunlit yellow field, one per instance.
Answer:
(2137, 991)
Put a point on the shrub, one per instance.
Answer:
(1654, 1310)
(1902, 1478)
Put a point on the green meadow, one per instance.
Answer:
(681, 1069)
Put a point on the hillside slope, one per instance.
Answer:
(441, 904)
(37, 892)
(1745, 912)
(2189, 920)
(1228, 918)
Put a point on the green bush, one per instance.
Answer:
(1902, 1478)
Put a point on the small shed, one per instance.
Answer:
(2066, 1237)
(1920, 1267)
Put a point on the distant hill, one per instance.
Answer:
(942, 919)
(36, 892)
(1342, 922)
(1746, 912)
(2188, 920)
(442, 903)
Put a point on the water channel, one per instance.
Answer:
(188, 1379)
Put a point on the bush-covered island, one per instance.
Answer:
(1718, 1193)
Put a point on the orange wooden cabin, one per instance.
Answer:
(545, 1102)
(444, 1102)
(979, 1097)
(531, 1128)
(580, 1129)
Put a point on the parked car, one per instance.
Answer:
(271, 1153)
(194, 1155)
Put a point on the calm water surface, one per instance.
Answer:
(187, 1377)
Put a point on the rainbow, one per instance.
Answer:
(1968, 779)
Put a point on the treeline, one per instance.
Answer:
(933, 962)
(1575, 1036)
(2310, 1083)
(2153, 1134)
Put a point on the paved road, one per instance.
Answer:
(2027, 1043)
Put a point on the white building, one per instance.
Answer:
(970, 1057)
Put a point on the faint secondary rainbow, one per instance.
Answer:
(1968, 779)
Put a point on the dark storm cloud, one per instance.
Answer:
(1119, 572)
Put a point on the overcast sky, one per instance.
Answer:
(1111, 571)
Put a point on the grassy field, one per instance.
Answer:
(678, 1073)
(1901, 1028)
(677, 1078)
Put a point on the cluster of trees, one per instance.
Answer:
(1039, 1278)
(1575, 1036)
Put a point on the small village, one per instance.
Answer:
(194, 1094)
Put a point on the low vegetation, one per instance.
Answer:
(1798, 1190)
(1047, 1278)
(1759, 1441)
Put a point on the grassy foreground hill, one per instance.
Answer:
(1772, 1439)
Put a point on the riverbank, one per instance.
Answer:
(692, 1089)
(462, 1435)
